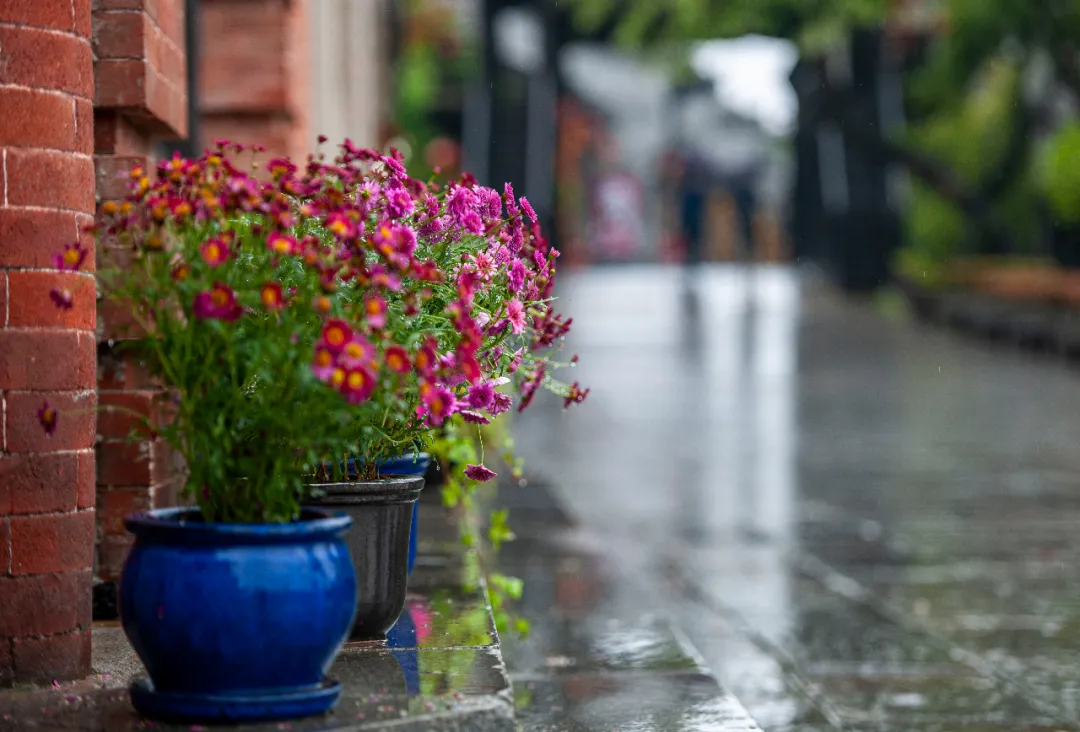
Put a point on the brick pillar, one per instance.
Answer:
(141, 97)
(46, 482)
(254, 74)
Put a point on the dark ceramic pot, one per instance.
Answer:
(403, 465)
(381, 511)
(236, 622)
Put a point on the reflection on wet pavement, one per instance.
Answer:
(859, 524)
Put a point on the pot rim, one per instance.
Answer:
(315, 524)
(387, 489)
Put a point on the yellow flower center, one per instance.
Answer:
(213, 252)
(335, 336)
(354, 350)
(374, 307)
(324, 358)
(71, 257)
(270, 296)
(357, 380)
(338, 377)
(219, 297)
(338, 227)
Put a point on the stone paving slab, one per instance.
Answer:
(440, 668)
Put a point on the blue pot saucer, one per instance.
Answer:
(232, 708)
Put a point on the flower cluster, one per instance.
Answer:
(341, 307)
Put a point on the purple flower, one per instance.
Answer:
(48, 418)
(399, 203)
(510, 200)
(491, 202)
(516, 277)
(473, 223)
(480, 395)
(461, 202)
(479, 473)
(517, 240)
(62, 299)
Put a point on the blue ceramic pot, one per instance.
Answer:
(236, 622)
(403, 465)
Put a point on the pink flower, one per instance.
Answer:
(399, 203)
(323, 363)
(71, 257)
(515, 279)
(62, 299)
(472, 223)
(282, 243)
(529, 386)
(342, 226)
(357, 353)
(426, 361)
(515, 313)
(479, 473)
(272, 297)
(397, 360)
(48, 418)
(375, 310)
(217, 303)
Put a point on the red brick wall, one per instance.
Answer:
(253, 74)
(141, 96)
(46, 483)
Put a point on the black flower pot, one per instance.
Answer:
(381, 511)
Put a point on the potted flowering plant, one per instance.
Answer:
(442, 298)
(308, 326)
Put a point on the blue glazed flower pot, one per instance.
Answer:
(403, 465)
(236, 622)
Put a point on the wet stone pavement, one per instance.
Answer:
(851, 521)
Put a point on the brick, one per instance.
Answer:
(120, 83)
(169, 17)
(61, 657)
(84, 126)
(120, 413)
(45, 604)
(7, 663)
(127, 464)
(50, 179)
(42, 483)
(114, 135)
(30, 237)
(117, 504)
(122, 371)
(32, 306)
(243, 40)
(74, 430)
(52, 543)
(115, 322)
(5, 546)
(112, 552)
(112, 174)
(3, 298)
(83, 18)
(103, 5)
(46, 360)
(34, 118)
(120, 35)
(54, 14)
(44, 60)
(86, 479)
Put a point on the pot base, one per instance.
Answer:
(232, 708)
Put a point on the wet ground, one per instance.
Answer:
(856, 522)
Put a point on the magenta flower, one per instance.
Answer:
(358, 385)
(474, 417)
(515, 313)
(500, 403)
(576, 396)
(323, 363)
(516, 277)
(282, 243)
(472, 223)
(528, 209)
(214, 252)
(71, 258)
(491, 202)
(511, 201)
(439, 404)
(217, 303)
(479, 473)
(335, 334)
(480, 395)
(62, 299)
(48, 418)
(397, 360)
(529, 386)
(342, 226)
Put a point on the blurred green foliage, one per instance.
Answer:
(1058, 173)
